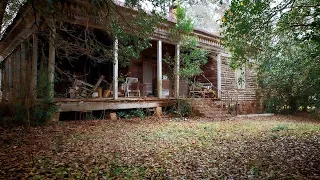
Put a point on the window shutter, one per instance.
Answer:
(240, 77)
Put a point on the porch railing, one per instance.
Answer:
(227, 100)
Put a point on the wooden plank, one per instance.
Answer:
(10, 78)
(98, 83)
(14, 76)
(4, 85)
(17, 54)
(87, 84)
(94, 106)
(140, 99)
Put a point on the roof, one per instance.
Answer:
(19, 25)
(14, 28)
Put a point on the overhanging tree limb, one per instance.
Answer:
(3, 5)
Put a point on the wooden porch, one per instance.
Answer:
(96, 104)
(22, 62)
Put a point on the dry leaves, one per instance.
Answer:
(241, 148)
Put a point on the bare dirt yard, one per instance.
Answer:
(240, 148)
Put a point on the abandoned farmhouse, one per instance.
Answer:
(29, 49)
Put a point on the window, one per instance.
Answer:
(240, 77)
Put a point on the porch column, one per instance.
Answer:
(115, 69)
(219, 75)
(159, 69)
(34, 66)
(51, 62)
(177, 69)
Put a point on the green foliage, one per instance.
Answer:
(283, 42)
(255, 170)
(131, 25)
(183, 108)
(183, 26)
(133, 35)
(20, 114)
(279, 127)
(184, 23)
(123, 114)
(138, 113)
(44, 109)
(191, 57)
(131, 113)
(30, 111)
(130, 43)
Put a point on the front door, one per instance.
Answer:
(148, 76)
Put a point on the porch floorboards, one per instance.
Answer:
(95, 104)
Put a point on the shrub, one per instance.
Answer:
(131, 113)
(28, 110)
(38, 113)
(183, 108)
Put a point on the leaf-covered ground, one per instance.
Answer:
(241, 148)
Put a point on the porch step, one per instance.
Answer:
(208, 108)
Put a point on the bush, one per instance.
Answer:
(131, 113)
(183, 108)
(30, 111)
(20, 114)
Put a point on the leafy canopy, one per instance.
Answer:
(192, 58)
(283, 40)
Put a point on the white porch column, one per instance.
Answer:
(177, 69)
(219, 75)
(115, 69)
(51, 63)
(34, 65)
(159, 69)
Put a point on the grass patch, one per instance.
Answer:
(45, 168)
(180, 132)
(280, 127)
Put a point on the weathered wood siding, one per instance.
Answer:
(229, 86)
(14, 86)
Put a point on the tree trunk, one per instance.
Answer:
(51, 63)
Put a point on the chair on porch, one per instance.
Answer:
(131, 86)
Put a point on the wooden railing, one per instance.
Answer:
(227, 100)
